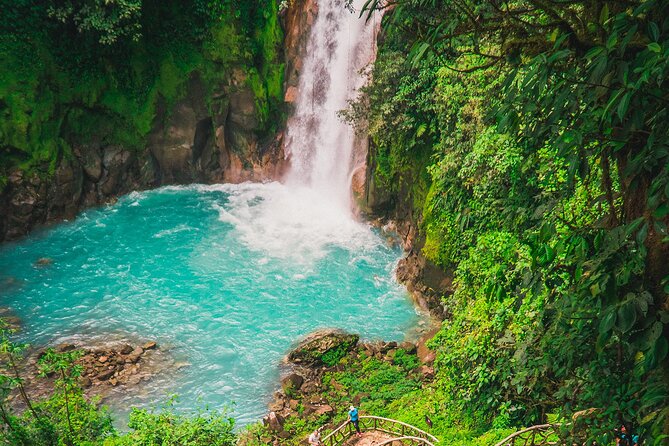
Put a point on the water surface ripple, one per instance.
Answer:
(224, 278)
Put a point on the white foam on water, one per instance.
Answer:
(290, 221)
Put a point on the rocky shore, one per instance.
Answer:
(310, 395)
(103, 368)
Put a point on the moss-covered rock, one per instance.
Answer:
(323, 347)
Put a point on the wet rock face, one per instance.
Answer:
(324, 347)
(298, 19)
(189, 143)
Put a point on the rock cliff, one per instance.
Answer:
(211, 135)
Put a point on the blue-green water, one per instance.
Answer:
(224, 278)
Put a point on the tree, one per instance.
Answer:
(587, 79)
(107, 20)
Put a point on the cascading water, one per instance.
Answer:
(322, 148)
(225, 277)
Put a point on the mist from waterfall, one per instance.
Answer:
(323, 149)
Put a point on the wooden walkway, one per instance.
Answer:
(378, 431)
(540, 435)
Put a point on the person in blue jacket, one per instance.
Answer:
(626, 438)
(353, 418)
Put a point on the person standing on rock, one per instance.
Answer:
(353, 418)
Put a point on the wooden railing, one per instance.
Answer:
(371, 423)
(540, 435)
(408, 441)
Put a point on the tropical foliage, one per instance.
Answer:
(542, 128)
(79, 72)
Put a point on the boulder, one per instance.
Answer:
(309, 387)
(427, 372)
(273, 422)
(408, 347)
(126, 349)
(44, 261)
(324, 409)
(325, 347)
(138, 351)
(292, 382)
(284, 434)
(149, 345)
(65, 347)
(106, 374)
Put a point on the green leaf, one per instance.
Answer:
(654, 47)
(626, 316)
(659, 351)
(624, 105)
(661, 211)
(642, 234)
(633, 226)
(607, 322)
(604, 14)
(653, 31)
(650, 335)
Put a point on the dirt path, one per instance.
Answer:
(370, 438)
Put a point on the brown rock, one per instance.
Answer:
(149, 345)
(126, 349)
(105, 375)
(284, 434)
(43, 261)
(291, 94)
(359, 397)
(273, 422)
(292, 382)
(65, 347)
(408, 347)
(84, 382)
(324, 409)
(309, 387)
(103, 359)
(427, 372)
(293, 404)
(388, 346)
(276, 405)
(137, 351)
(314, 347)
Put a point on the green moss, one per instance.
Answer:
(54, 94)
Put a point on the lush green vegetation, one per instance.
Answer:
(86, 71)
(530, 140)
(67, 417)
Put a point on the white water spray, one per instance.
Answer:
(310, 214)
(323, 149)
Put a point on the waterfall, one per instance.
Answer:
(309, 214)
(324, 151)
